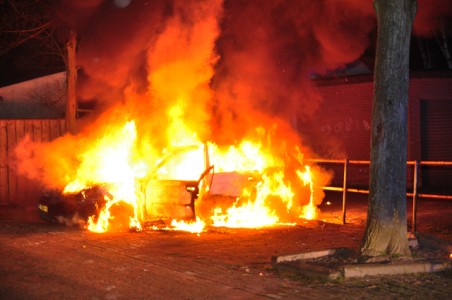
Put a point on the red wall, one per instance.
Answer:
(341, 127)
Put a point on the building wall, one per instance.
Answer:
(341, 127)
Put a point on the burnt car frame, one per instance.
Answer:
(164, 197)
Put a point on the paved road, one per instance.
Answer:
(45, 261)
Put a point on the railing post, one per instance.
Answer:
(414, 221)
(344, 192)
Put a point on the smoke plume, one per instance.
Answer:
(224, 69)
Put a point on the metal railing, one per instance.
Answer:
(415, 194)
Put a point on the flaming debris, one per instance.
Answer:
(193, 227)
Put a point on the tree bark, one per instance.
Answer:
(386, 230)
(71, 100)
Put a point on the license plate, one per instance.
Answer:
(43, 208)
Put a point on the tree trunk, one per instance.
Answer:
(386, 230)
(71, 100)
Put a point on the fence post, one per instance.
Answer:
(344, 192)
(414, 221)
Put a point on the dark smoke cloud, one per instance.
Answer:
(245, 65)
(239, 66)
(113, 40)
(269, 50)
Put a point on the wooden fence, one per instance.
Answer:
(14, 188)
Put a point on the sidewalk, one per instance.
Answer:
(40, 260)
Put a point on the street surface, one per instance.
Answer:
(50, 261)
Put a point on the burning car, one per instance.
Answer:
(55, 206)
(249, 188)
(172, 190)
(167, 193)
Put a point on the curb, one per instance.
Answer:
(362, 270)
(298, 263)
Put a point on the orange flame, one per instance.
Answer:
(310, 210)
(110, 161)
(269, 197)
(193, 227)
(273, 195)
(248, 215)
(179, 96)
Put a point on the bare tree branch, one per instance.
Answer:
(28, 39)
(442, 43)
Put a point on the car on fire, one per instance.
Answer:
(55, 206)
(167, 196)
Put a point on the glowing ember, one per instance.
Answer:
(249, 215)
(310, 210)
(135, 224)
(193, 227)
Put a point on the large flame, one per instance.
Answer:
(309, 210)
(171, 161)
(111, 161)
(192, 80)
(266, 197)
(273, 201)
